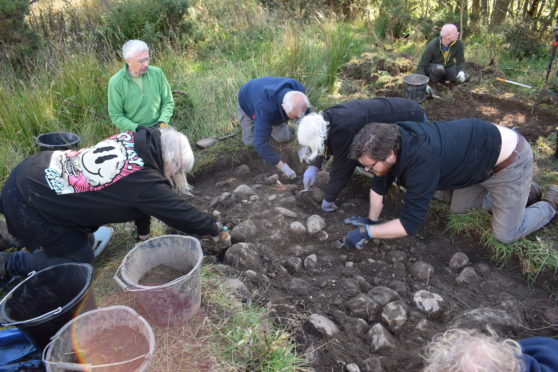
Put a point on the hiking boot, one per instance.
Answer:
(550, 195)
(535, 194)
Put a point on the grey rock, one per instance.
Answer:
(293, 265)
(284, 211)
(216, 214)
(311, 262)
(363, 284)
(322, 236)
(243, 256)
(296, 250)
(352, 367)
(372, 364)
(271, 180)
(349, 264)
(315, 223)
(396, 256)
(467, 276)
(299, 286)
(427, 301)
(400, 269)
(399, 286)
(244, 231)
(323, 325)
(395, 315)
(443, 195)
(356, 326)
(422, 270)
(250, 275)
(482, 268)
(486, 318)
(242, 171)
(316, 194)
(297, 228)
(287, 202)
(363, 307)
(380, 338)
(382, 295)
(350, 286)
(459, 260)
(243, 191)
(238, 287)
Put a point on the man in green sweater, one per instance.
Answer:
(139, 94)
(443, 59)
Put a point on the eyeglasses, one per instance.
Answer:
(143, 60)
(369, 165)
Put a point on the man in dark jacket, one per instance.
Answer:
(443, 58)
(53, 200)
(265, 106)
(473, 157)
(331, 132)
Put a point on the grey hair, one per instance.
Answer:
(178, 158)
(132, 47)
(312, 132)
(296, 101)
(463, 350)
(447, 28)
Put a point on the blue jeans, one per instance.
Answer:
(47, 243)
(508, 190)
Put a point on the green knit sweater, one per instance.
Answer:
(434, 54)
(130, 106)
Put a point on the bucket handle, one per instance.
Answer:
(86, 367)
(52, 312)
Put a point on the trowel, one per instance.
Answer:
(210, 141)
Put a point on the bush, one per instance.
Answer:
(523, 43)
(18, 42)
(394, 18)
(148, 20)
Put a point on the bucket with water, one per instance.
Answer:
(164, 273)
(109, 339)
(57, 141)
(46, 300)
(414, 87)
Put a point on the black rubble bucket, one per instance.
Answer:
(414, 87)
(57, 141)
(46, 300)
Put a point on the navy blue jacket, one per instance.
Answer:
(443, 155)
(346, 119)
(540, 354)
(261, 99)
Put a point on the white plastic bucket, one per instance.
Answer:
(115, 339)
(172, 302)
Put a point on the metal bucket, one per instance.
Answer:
(111, 339)
(171, 300)
(414, 87)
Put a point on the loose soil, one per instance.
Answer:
(276, 271)
(161, 274)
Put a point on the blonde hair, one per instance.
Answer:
(463, 350)
(312, 132)
(178, 158)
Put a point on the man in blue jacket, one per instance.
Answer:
(265, 106)
(473, 157)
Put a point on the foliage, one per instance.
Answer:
(522, 42)
(18, 41)
(147, 20)
(394, 18)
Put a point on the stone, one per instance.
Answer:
(352, 367)
(382, 295)
(363, 307)
(323, 325)
(363, 284)
(351, 286)
(485, 319)
(250, 275)
(356, 326)
(395, 315)
(299, 287)
(396, 256)
(372, 364)
(322, 180)
(297, 228)
(467, 276)
(459, 261)
(380, 338)
(311, 262)
(400, 269)
(285, 212)
(423, 325)
(427, 301)
(482, 268)
(289, 201)
(244, 231)
(238, 287)
(422, 270)
(314, 224)
(243, 191)
(322, 236)
(293, 265)
(316, 194)
(216, 215)
(271, 180)
(243, 256)
(399, 286)
(242, 171)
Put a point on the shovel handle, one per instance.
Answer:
(227, 136)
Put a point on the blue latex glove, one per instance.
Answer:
(356, 238)
(328, 206)
(310, 176)
(359, 221)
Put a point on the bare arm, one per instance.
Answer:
(387, 230)
(376, 205)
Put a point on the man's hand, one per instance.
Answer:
(310, 176)
(287, 171)
(429, 90)
(460, 77)
(359, 221)
(328, 206)
(356, 238)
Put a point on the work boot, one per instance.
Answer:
(550, 195)
(535, 194)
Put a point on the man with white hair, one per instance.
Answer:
(139, 94)
(54, 200)
(443, 59)
(331, 132)
(265, 106)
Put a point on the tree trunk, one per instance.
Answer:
(475, 14)
(548, 21)
(484, 11)
(498, 13)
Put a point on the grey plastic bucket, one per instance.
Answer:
(109, 339)
(414, 87)
(173, 302)
(57, 141)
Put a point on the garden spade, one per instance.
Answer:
(210, 141)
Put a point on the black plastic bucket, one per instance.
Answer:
(57, 141)
(46, 300)
(414, 87)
